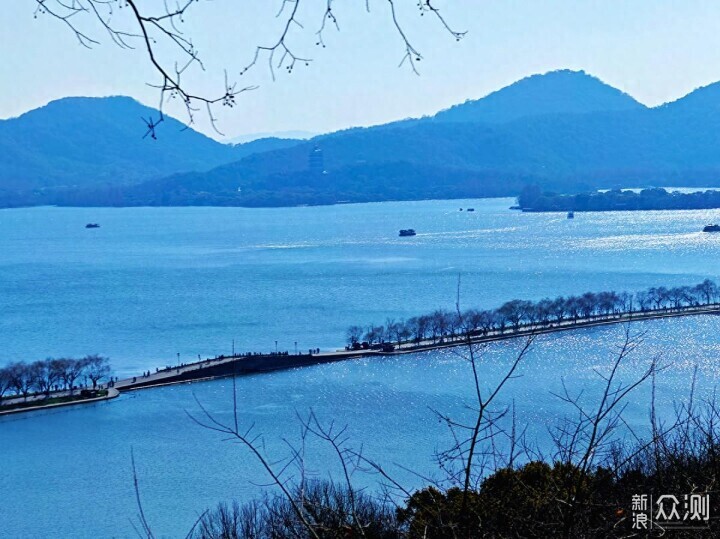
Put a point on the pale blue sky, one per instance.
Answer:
(656, 50)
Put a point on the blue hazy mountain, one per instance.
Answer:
(588, 135)
(702, 100)
(467, 144)
(81, 141)
(557, 92)
(250, 137)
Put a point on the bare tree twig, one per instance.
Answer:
(130, 24)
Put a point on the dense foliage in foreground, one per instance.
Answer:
(537, 499)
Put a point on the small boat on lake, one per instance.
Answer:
(571, 215)
(711, 228)
(407, 232)
(471, 209)
(92, 225)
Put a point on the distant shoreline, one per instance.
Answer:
(655, 199)
(510, 196)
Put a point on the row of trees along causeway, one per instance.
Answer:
(517, 315)
(46, 376)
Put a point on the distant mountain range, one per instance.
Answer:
(559, 92)
(82, 142)
(564, 130)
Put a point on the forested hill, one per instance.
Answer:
(82, 142)
(676, 144)
(562, 92)
(564, 131)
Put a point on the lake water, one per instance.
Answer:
(155, 282)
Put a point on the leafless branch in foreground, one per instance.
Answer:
(132, 24)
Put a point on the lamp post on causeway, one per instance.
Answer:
(275, 347)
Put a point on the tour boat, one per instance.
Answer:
(92, 225)
(711, 228)
(407, 232)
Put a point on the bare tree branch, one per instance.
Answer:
(131, 24)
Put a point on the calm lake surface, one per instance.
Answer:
(155, 282)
